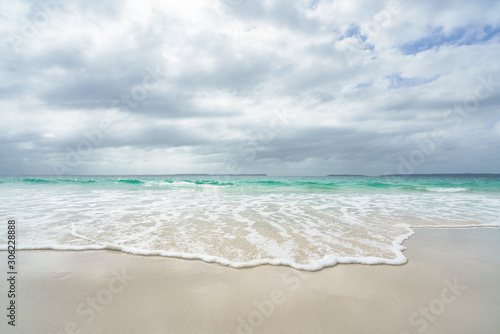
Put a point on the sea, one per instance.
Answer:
(243, 221)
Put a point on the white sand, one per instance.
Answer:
(450, 285)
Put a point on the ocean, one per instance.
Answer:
(242, 221)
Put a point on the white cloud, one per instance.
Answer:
(196, 81)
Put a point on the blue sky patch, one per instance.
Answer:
(461, 36)
(314, 4)
(397, 81)
(364, 85)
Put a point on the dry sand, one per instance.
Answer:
(450, 285)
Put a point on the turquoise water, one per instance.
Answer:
(280, 184)
(304, 222)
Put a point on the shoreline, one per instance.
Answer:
(448, 285)
(398, 244)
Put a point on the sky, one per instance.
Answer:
(282, 87)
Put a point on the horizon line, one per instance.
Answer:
(260, 174)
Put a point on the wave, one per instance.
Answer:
(130, 181)
(313, 265)
(270, 182)
(54, 181)
(379, 185)
(275, 184)
(305, 223)
(447, 190)
(39, 181)
(209, 182)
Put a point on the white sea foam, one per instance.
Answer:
(304, 230)
(447, 190)
(312, 265)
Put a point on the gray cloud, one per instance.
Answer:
(283, 87)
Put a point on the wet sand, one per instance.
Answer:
(449, 285)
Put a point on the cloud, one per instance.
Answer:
(279, 87)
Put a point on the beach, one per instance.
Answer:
(246, 167)
(448, 285)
